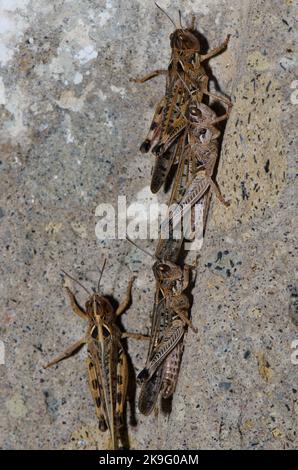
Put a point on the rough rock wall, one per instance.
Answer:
(72, 123)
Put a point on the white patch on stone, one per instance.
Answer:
(78, 78)
(106, 15)
(86, 54)
(69, 137)
(6, 25)
(218, 18)
(12, 28)
(109, 124)
(2, 92)
(17, 104)
(12, 5)
(101, 95)
(121, 91)
(76, 47)
(43, 127)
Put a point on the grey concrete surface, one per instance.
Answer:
(72, 123)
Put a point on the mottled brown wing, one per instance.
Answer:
(149, 393)
(171, 371)
(104, 356)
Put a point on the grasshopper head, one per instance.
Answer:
(167, 271)
(200, 112)
(184, 39)
(99, 306)
(201, 116)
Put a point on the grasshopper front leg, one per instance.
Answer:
(216, 50)
(127, 299)
(75, 305)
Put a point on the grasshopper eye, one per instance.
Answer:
(204, 135)
(195, 111)
(164, 268)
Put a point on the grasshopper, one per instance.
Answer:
(186, 60)
(107, 362)
(169, 321)
(200, 153)
(170, 318)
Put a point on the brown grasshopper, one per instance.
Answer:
(170, 318)
(167, 124)
(107, 360)
(200, 153)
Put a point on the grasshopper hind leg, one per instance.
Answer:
(95, 389)
(154, 127)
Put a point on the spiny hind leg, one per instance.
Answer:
(127, 299)
(96, 390)
(154, 127)
(73, 349)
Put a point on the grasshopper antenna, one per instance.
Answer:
(137, 246)
(180, 19)
(165, 13)
(101, 273)
(75, 280)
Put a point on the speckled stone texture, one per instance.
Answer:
(72, 123)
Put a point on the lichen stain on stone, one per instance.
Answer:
(265, 370)
(79, 229)
(53, 227)
(277, 433)
(257, 61)
(68, 99)
(16, 406)
(253, 164)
